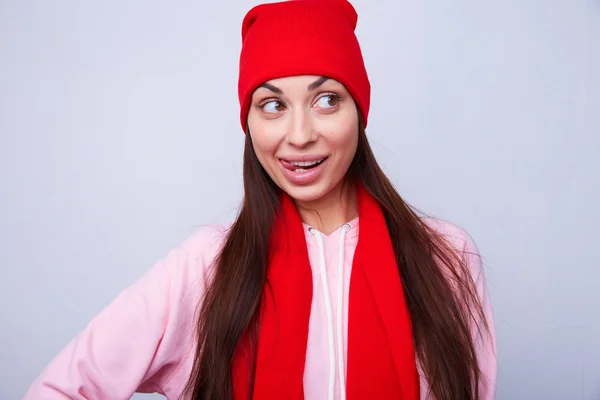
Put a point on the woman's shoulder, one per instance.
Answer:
(460, 241)
(187, 267)
(457, 236)
(205, 241)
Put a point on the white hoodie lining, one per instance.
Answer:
(328, 312)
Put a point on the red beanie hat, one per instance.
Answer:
(302, 37)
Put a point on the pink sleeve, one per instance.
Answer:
(485, 341)
(135, 343)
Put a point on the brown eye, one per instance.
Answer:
(273, 106)
(328, 101)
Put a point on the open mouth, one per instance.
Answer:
(302, 166)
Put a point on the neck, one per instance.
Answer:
(332, 210)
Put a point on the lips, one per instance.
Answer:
(301, 166)
(303, 171)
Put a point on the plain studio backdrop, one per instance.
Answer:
(119, 136)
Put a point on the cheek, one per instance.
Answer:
(265, 145)
(345, 142)
(342, 132)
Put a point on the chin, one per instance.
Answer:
(306, 194)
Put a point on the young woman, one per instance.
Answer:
(326, 286)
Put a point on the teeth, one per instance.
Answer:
(306, 163)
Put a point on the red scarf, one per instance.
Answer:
(381, 359)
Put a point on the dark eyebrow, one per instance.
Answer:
(272, 88)
(311, 87)
(317, 83)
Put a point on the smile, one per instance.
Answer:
(302, 165)
(303, 172)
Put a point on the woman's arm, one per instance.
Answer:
(137, 342)
(485, 340)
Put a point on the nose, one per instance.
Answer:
(301, 130)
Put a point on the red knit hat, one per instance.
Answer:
(302, 37)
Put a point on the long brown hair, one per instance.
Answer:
(439, 289)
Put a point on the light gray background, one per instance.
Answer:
(119, 135)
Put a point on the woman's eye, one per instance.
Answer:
(328, 101)
(273, 106)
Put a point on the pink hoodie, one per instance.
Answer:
(144, 340)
